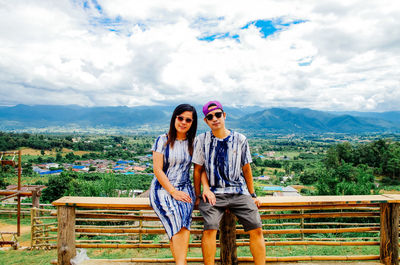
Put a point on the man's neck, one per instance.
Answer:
(221, 133)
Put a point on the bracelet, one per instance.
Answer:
(253, 195)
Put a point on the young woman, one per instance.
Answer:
(171, 192)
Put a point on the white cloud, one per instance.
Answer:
(344, 56)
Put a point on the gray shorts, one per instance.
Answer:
(242, 206)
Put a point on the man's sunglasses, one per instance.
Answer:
(180, 118)
(211, 116)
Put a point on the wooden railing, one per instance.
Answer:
(337, 220)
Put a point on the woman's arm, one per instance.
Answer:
(158, 162)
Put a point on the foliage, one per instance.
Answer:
(57, 187)
(70, 183)
(96, 144)
(5, 172)
(383, 155)
(309, 176)
(344, 180)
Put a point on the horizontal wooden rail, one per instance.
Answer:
(13, 193)
(320, 215)
(128, 244)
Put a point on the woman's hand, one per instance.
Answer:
(209, 196)
(257, 202)
(181, 196)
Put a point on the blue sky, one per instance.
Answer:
(325, 55)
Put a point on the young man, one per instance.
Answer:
(222, 165)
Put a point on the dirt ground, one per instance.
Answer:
(36, 152)
(25, 229)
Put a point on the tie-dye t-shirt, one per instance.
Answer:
(223, 160)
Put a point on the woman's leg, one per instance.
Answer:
(179, 246)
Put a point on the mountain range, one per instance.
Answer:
(256, 119)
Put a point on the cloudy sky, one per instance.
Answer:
(325, 55)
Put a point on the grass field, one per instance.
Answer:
(11, 257)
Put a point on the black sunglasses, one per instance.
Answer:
(180, 118)
(211, 116)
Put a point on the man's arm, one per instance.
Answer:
(248, 176)
(208, 195)
(200, 178)
(197, 179)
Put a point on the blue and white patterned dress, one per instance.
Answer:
(174, 215)
(223, 160)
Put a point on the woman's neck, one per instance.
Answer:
(180, 136)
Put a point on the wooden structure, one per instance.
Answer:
(387, 205)
(43, 229)
(17, 191)
(4, 161)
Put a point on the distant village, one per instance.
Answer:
(142, 165)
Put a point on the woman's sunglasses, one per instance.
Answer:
(180, 118)
(217, 115)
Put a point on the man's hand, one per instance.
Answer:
(197, 202)
(209, 196)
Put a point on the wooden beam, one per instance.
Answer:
(389, 245)
(66, 234)
(227, 239)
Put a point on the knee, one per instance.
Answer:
(209, 233)
(256, 232)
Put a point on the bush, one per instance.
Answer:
(57, 186)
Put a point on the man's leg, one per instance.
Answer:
(257, 246)
(212, 215)
(209, 246)
(246, 211)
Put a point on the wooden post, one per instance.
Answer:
(36, 198)
(389, 245)
(227, 239)
(140, 228)
(66, 234)
(302, 225)
(33, 214)
(19, 195)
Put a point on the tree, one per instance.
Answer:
(332, 158)
(297, 167)
(71, 157)
(345, 180)
(345, 152)
(286, 166)
(309, 176)
(57, 186)
(59, 157)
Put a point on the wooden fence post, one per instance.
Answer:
(36, 198)
(33, 215)
(140, 228)
(389, 245)
(227, 239)
(66, 234)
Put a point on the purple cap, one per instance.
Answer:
(207, 105)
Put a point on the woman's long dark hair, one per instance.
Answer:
(191, 134)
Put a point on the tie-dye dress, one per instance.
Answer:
(174, 215)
